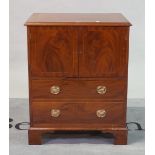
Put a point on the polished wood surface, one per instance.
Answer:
(103, 51)
(35, 133)
(93, 51)
(53, 51)
(76, 19)
(74, 54)
(75, 88)
(78, 113)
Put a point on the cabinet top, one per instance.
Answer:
(77, 19)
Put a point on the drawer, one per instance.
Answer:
(78, 113)
(79, 89)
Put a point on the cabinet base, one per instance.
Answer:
(119, 134)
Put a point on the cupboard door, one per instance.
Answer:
(52, 51)
(103, 51)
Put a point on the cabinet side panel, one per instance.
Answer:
(29, 74)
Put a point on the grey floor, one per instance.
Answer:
(81, 144)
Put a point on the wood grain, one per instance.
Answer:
(53, 52)
(35, 134)
(78, 52)
(78, 112)
(77, 19)
(76, 88)
(103, 52)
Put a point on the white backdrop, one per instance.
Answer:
(20, 10)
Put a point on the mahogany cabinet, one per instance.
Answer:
(78, 71)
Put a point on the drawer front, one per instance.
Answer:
(81, 112)
(79, 89)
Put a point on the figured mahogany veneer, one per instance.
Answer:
(78, 70)
(54, 53)
(75, 88)
(103, 51)
(78, 112)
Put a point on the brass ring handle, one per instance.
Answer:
(101, 113)
(55, 112)
(55, 90)
(101, 89)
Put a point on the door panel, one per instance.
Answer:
(103, 51)
(53, 51)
